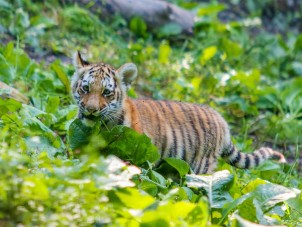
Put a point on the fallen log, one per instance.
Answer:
(155, 13)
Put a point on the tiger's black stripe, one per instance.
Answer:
(190, 136)
(182, 140)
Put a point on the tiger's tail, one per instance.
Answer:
(246, 161)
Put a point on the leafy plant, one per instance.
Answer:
(56, 171)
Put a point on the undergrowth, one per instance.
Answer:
(52, 173)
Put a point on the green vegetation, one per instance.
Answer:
(52, 173)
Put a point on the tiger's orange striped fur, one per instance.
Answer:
(194, 133)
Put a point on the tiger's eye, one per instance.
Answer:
(85, 88)
(106, 92)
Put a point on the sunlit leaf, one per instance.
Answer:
(134, 199)
(138, 26)
(181, 166)
(231, 48)
(78, 134)
(169, 30)
(62, 76)
(164, 53)
(216, 186)
(207, 54)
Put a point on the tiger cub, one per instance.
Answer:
(192, 132)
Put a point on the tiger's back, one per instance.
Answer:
(194, 133)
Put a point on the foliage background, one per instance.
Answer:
(244, 60)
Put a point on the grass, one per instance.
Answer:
(252, 80)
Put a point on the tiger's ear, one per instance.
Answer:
(78, 61)
(127, 73)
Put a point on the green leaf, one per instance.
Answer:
(158, 178)
(296, 204)
(178, 214)
(130, 145)
(164, 53)
(147, 185)
(207, 54)
(121, 141)
(241, 222)
(132, 198)
(78, 134)
(216, 186)
(267, 196)
(52, 146)
(111, 172)
(9, 105)
(180, 165)
(231, 48)
(298, 44)
(5, 4)
(138, 26)
(61, 74)
(169, 29)
(251, 186)
(271, 194)
(53, 103)
(157, 222)
(34, 188)
(210, 9)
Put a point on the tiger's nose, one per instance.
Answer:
(91, 109)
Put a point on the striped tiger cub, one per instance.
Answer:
(192, 132)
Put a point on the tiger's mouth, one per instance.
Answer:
(91, 117)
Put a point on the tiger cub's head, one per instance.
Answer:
(100, 90)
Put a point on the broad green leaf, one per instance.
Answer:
(53, 146)
(78, 134)
(138, 26)
(298, 44)
(80, 21)
(164, 53)
(271, 194)
(253, 185)
(169, 29)
(210, 9)
(53, 103)
(62, 76)
(181, 166)
(130, 145)
(231, 48)
(189, 192)
(9, 105)
(147, 185)
(178, 213)
(34, 188)
(248, 210)
(158, 178)
(12, 120)
(295, 204)
(114, 173)
(132, 198)
(241, 222)
(121, 141)
(31, 113)
(250, 80)
(207, 54)
(5, 4)
(157, 222)
(267, 195)
(216, 186)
